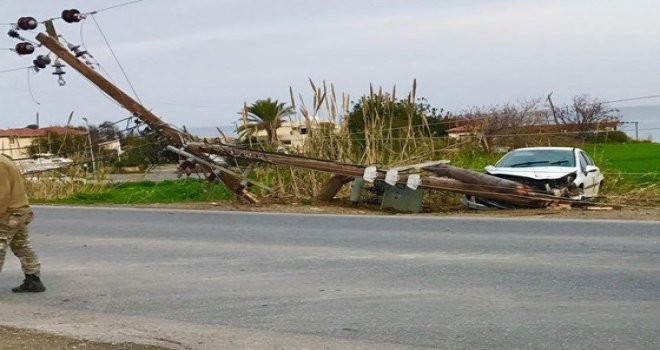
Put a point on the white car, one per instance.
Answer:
(560, 171)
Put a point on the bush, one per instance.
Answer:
(608, 137)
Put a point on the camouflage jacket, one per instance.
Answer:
(12, 189)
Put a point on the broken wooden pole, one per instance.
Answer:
(453, 185)
(173, 136)
(352, 170)
(496, 184)
(334, 185)
(274, 158)
(483, 184)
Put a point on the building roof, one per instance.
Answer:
(460, 129)
(26, 132)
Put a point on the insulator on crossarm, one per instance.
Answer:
(27, 23)
(71, 16)
(59, 72)
(24, 48)
(41, 62)
(76, 50)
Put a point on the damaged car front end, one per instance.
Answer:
(556, 171)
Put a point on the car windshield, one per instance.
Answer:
(537, 157)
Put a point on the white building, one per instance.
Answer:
(15, 143)
(294, 133)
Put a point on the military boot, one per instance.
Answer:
(31, 284)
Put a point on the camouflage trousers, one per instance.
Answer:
(14, 234)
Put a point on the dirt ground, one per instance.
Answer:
(19, 339)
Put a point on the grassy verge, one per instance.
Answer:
(635, 162)
(146, 192)
(632, 173)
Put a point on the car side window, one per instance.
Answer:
(583, 162)
(587, 159)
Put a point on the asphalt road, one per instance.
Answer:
(201, 280)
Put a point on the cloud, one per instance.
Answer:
(286, 32)
(533, 21)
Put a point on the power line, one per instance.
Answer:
(97, 11)
(90, 13)
(115, 6)
(29, 85)
(633, 99)
(13, 69)
(116, 58)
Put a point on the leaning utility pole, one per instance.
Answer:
(91, 147)
(174, 136)
(552, 108)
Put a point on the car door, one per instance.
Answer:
(591, 174)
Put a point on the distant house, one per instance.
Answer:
(112, 145)
(460, 132)
(294, 133)
(14, 143)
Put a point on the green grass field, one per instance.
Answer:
(627, 157)
(626, 167)
(628, 163)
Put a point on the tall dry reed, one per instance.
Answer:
(60, 184)
(384, 140)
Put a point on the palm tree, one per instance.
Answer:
(263, 115)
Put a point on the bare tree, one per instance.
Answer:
(586, 113)
(509, 122)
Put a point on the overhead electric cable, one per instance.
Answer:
(29, 85)
(633, 99)
(13, 70)
(93, 11)
(116, 58)
(115, 6)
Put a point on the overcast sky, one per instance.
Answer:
(195, 62)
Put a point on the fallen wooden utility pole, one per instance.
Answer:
(173, 136)
(521, 196)
(484, 182)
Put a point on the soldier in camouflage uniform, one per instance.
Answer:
(15, 215)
